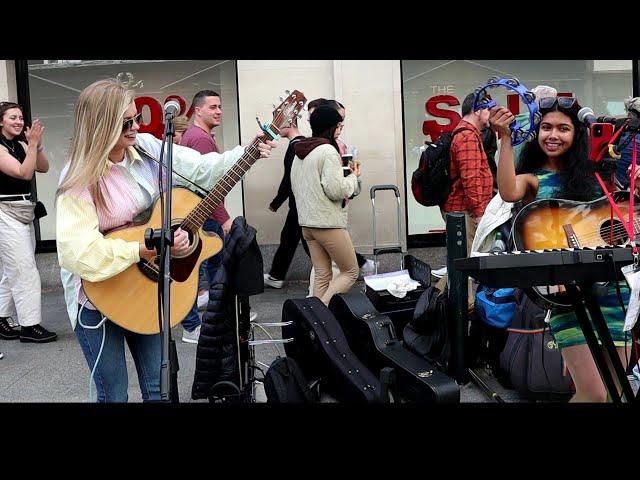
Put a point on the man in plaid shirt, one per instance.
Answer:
(472, 186)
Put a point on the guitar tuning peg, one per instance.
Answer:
(273, 105)
(280, 98)
(300, 116)
(287, 92)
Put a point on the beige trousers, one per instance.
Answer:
(325, 245)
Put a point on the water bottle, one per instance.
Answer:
(498, 245)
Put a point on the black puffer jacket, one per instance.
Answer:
(241, 273)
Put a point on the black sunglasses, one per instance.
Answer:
(127, 124)
(563, 102)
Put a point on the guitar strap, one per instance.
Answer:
(144, 153)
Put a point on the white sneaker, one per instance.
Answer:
(272, 282)
(440, 272)
(368, 268)
(253, 316)
(1, 355)
(191, 337)
(203, 300)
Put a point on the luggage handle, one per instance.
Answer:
(372, 192)
(393, 338)
(384, 250)
(375, 188)
(387, 379)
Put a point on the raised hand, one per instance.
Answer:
(35, 133)
(500, 119)
(265, 146)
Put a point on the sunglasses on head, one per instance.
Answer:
(562, 102)
(128, 124)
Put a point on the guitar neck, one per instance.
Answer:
(208, 204)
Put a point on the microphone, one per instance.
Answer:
(586, 116)
(171, 109)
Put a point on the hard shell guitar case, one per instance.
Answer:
(372, 337)
(322, 352)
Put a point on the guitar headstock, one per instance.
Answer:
(290, 108)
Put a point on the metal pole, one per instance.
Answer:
(458, 295)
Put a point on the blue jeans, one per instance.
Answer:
(209, 268)
(111, 378)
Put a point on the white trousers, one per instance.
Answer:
(20, 284)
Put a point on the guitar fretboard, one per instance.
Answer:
(205, 208)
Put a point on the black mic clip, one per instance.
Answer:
(606, 166)
(633, 125)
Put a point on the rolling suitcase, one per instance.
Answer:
(373, 338)
(397, 248)
(322, 352)
(399, 310)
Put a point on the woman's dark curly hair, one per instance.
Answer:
(576, 175)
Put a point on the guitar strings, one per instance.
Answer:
(214, 198)
(208, 204)
(200, 213)
(618, 231)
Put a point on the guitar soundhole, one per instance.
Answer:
(613, 233)
(181, 265)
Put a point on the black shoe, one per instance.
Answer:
(7, 331)
(37, 334)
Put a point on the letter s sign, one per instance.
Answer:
(432, 128)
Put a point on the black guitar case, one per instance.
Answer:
(373, 338)
(322, 352)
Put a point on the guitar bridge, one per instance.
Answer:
(572, 238)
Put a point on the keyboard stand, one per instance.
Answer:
(605, 356)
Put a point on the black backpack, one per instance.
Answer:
(284, 382)
(431, 181)
(427, 333)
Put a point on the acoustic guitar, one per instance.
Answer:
(560, 224)
(555, 223)
(130, 298)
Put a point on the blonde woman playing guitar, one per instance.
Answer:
(112, 179)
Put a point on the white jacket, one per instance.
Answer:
(319, 187)
(497, 212)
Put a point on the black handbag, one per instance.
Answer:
(532, 361)
(40, 210)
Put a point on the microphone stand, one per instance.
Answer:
(162, 240)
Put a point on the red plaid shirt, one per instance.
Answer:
(472, 188)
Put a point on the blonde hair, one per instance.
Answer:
(97, 126)
(181, 123)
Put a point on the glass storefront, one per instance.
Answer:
(54, 86)
(433, 91)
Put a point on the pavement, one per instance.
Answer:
(57, 371)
